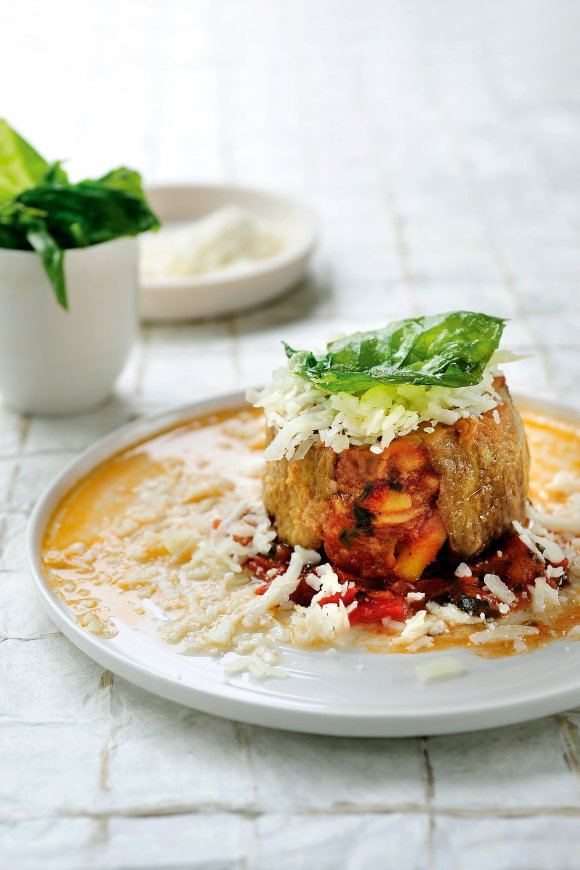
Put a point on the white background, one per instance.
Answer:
(438, 142)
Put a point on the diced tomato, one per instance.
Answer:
(304, 593)
(344, 576)
(374, 609)
(346, 597)
(262, 565)
(516, 566)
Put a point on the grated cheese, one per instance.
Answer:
(182, 551)
(544, 597)
(565, 519)
(451, 614)
(440, 669)
(564, 483)
(542, 546)
(313, 624)
(424, 642)
(463, 570)
(498, 588)
(302, 415)
(415, 627)
(495, 633)
(392, 624)
(229, 237)
(281, 587)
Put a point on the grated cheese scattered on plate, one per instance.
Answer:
(498, 588)
(439, 669)
(181, 550)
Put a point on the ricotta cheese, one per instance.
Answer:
(228, 238)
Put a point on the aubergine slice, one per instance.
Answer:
(387, 516)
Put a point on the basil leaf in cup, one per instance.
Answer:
(55, 174)
(445, 350)
(52, 259)
(41, 210)
(21, 166)
(90, 212)
(15, 219)
(125, 179)
(22, 227)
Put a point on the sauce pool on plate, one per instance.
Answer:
(117, 544)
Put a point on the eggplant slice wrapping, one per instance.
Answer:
(388, 515)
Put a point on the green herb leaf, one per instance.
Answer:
(41, 210)
(363, 519)
(446, 350)
(21, 166)
(55, 174)
(90, 212)
(22, 227)
(125, 179)
(52, 259)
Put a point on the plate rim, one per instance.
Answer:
(226, 699)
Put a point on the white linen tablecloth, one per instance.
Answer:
(438, 143)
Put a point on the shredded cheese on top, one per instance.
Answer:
(302, 414)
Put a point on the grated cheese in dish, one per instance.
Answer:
(302, 415)
(230, 237)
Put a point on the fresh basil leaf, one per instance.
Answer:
(55, 174)
(41, 210)
(21, 166)
(125, 179)
(15, 220)
(51, 255)
(446, 350)
(363, 519)
(90, 212)
(289, 351)
(53, 217)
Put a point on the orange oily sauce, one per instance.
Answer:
(217, 446)
(208, 448)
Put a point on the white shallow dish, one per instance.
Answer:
(237, 289)
(348, 693)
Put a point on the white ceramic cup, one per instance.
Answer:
(61, 362)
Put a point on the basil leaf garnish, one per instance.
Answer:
(444, 350)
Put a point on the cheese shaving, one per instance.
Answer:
(544, 597)
(439, 669)
(498, 588)
(302, 415)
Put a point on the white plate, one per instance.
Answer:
(224, 293)
(350, 694)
